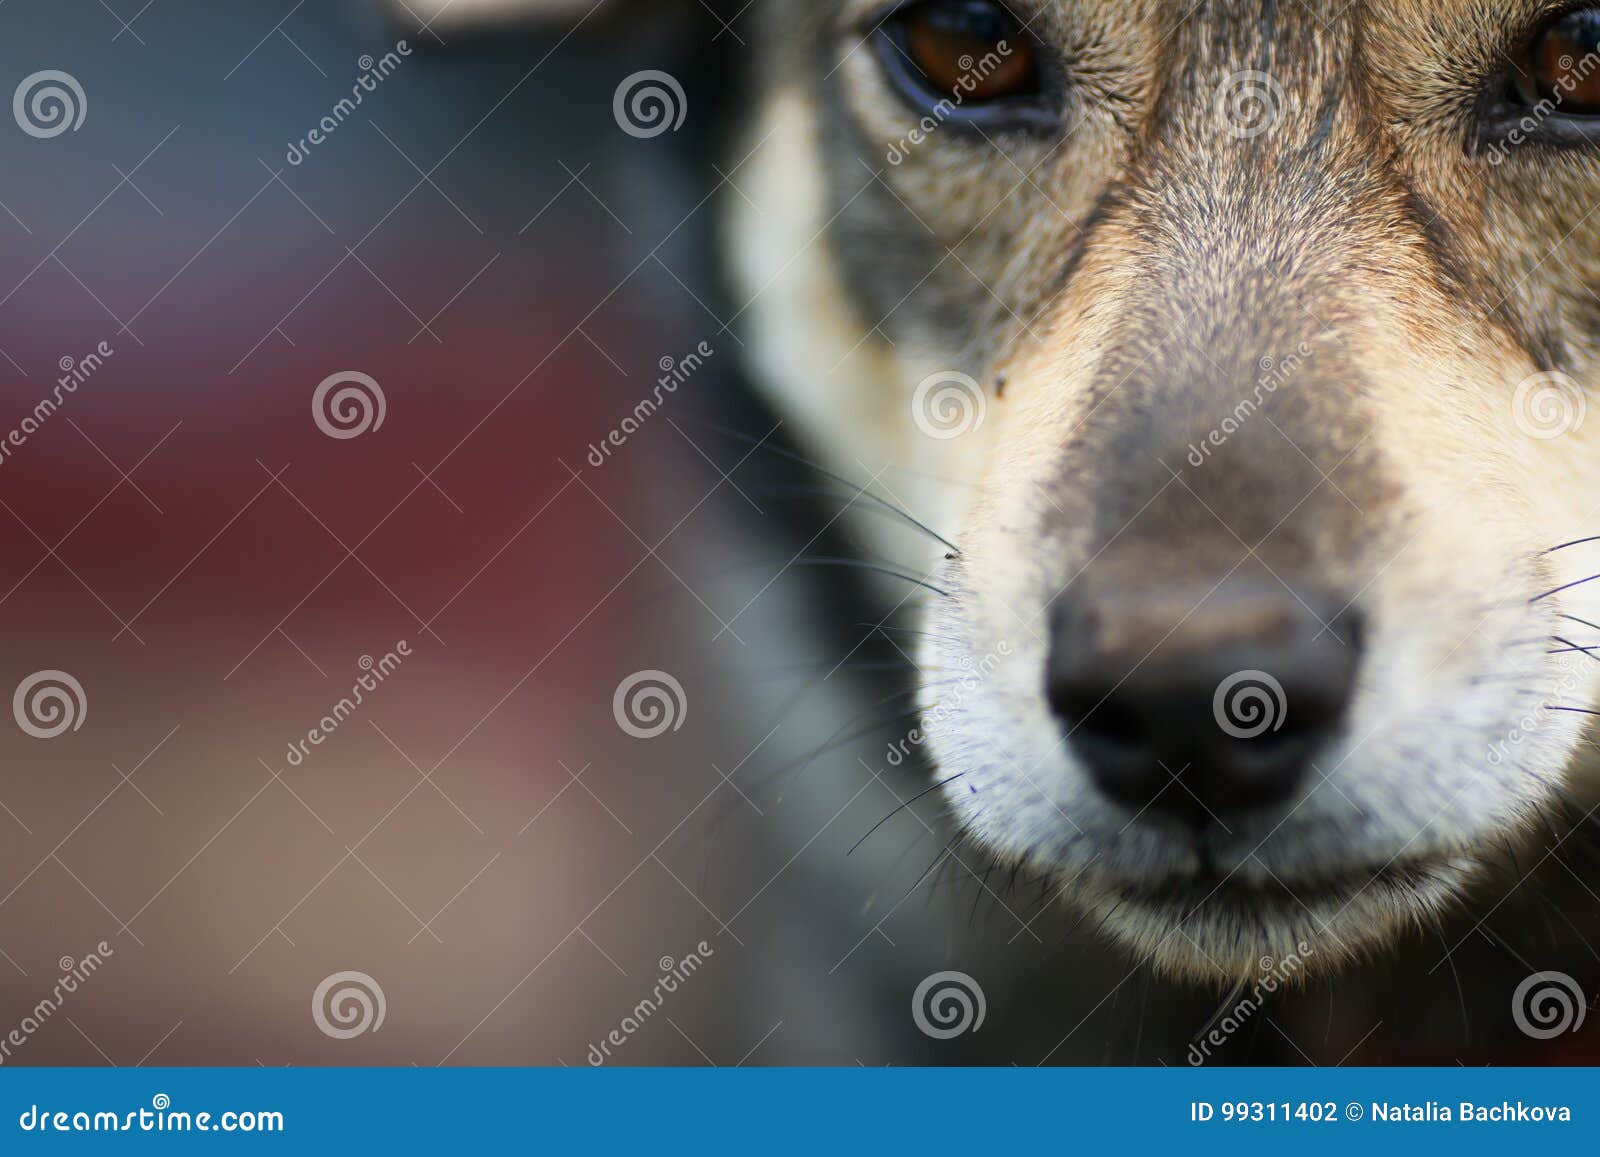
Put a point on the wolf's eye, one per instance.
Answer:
(968, 49)
(963, 60)
(1549, 98)
(1562, 66)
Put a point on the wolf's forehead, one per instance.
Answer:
(1291, 27)
(1422, 62)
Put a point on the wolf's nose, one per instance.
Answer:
(1197, 706)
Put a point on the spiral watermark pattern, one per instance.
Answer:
(348, 1004)
(948, 1004)
(650, 103)
(1549, 406)
(648, 704)
(1248, 704)
(49, 703)
(49, 103)
(948, 404)
(1548, 1004)
(1249, 103)
(348, 404)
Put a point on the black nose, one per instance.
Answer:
(1199, 707)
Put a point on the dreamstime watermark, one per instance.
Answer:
(73, 974)
(1530, 724)
(160, 1117)
(48, 103)
(1548, 406)
(1573, 74)
(674, 373)
(373, 73)
(1275, 374)
(48, 704)
(1248, 704)
(948, 1004)
(1249, 103)
(1549, 1004)
(348, 1004)
(375, 671)
(648, 704)
(674, 974)
(75, 371)
(649, 103)
(948, 404)
(973, 73)
(348, 404)
(974, 674)
(1274, 975)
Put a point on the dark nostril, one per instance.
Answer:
(1084, 700)
(1221, 713)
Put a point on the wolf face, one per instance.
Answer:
(1243, 349)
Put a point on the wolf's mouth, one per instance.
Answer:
(1271, 892)
(1232, 923)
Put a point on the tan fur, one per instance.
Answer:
(1433, 322)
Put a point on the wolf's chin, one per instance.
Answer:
(1224, 933)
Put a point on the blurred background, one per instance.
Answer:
(297, 410)
(179, 535)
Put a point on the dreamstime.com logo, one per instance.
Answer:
(348, 404)
(1549, 406)
(49, 103)
(1248, 704)
(948, 404)
(49, 703)
(648, 704)
(1249, 103)
(1548, 1004)
(948, 1004)
(348, 1004)
(160, 1117)
(650, 103)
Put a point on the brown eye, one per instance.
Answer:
(1563, 65)
(969, 49)
(963, 55)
